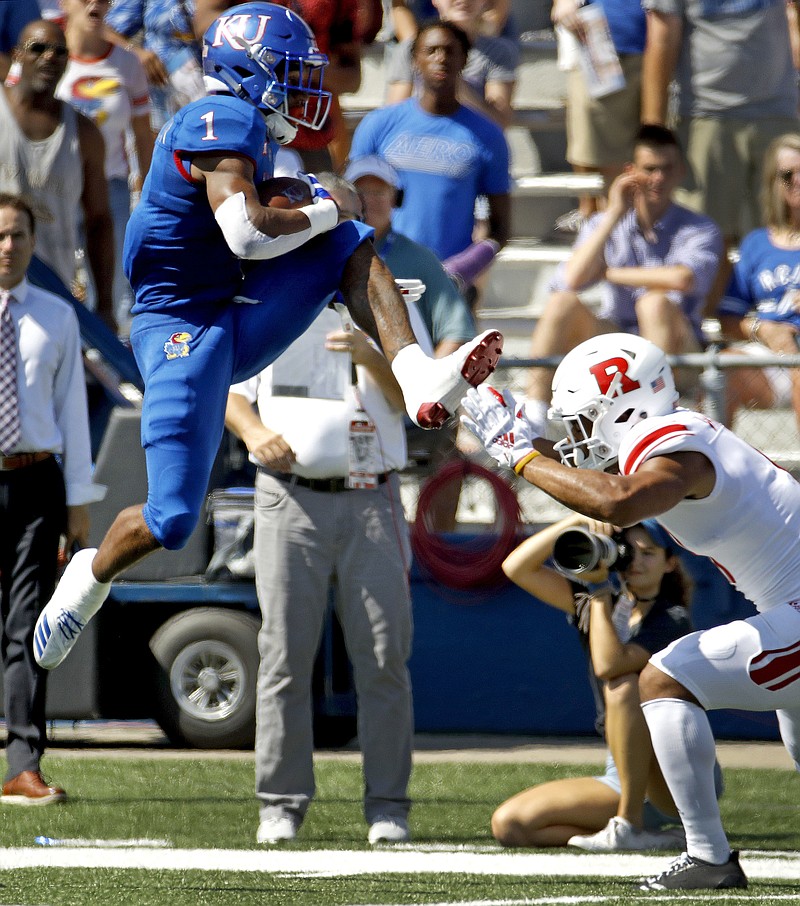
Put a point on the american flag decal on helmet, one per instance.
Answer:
(776, 669)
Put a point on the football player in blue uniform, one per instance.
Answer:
(198, 217)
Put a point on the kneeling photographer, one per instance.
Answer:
(628, 595)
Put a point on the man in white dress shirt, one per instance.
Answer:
(329, 439)
(45, 485)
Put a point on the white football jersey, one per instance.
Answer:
(750, 523)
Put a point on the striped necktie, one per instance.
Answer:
(9, 397)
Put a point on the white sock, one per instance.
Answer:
(684, 746)
(789, 723)
(407, 360)
(88, 593)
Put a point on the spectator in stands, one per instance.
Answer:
(737, 90)
(369, 20)
(762, 302)
(108, 85)
(55, 157)
(401, 21)
(657, 259)
(169, 51)
(335, 26)
(43, 415)
(489, 76)
(324, 515)
(14, 16)
(447, 155)
(628, 807)
(444, 311)
(497, 19)
(601, 130)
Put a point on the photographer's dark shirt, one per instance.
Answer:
(664, 623)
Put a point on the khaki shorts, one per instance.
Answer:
(601, 131)
(724, 158)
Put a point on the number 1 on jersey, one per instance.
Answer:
(209, 121)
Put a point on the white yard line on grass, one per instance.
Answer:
(725, 897)
(339, 863)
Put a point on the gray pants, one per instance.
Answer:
(304, 541)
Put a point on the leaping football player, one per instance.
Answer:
(629, 455)
(199, 215)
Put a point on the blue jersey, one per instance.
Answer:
(175, 254)
(444, 163)
(764, 279)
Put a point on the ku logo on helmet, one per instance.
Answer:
(231, 29)
(267, 55)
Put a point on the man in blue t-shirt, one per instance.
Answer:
(199, 327)
(447, 156)
(444, 310)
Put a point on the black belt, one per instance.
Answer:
(330, 485)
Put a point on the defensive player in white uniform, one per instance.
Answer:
(631, 454)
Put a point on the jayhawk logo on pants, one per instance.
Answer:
(177, 346)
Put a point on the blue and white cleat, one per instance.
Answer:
(75, 601)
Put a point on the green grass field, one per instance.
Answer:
(208, 804)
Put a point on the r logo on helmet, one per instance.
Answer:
(606, 373)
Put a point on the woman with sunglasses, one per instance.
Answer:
(762, 301)
(621, 624)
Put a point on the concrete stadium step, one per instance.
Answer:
(517, 288)
(537, 200)
(518, 280)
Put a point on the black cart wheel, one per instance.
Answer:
(207, 662)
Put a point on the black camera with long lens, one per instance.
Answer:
(577, 550)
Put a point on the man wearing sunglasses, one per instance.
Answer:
(55, 157)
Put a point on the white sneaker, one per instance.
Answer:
(620, 834)
(75, 601)
(385, 829)
(276, 829)
(433, 388)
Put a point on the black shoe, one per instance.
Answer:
(687, 873)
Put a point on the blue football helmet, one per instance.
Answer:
(267, 55)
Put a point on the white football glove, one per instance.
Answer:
(411, 290)
(500, 425)
(323, 212)
(318, 191)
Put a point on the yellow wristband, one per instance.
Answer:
(525, 460)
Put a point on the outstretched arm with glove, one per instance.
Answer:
(655, 487)
(503, 427)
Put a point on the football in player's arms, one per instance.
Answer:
(287, 192)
